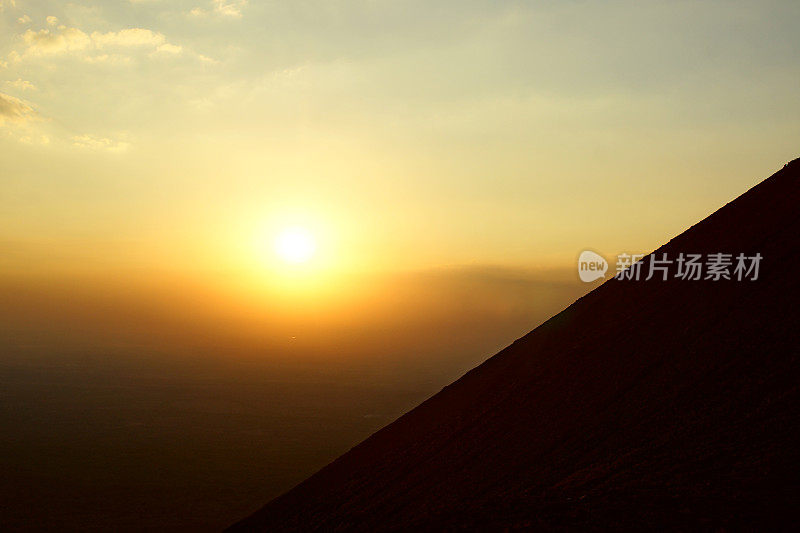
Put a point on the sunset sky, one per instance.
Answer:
(237, 237)
(154, 138)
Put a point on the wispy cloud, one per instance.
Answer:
(22, 85)
(19, 119)
(131, 37)
(109, 59)
(224, 8)
(34, 139)
(167, 48)
(91, 142)
(94, 47)
(13, 109)
(50, 42)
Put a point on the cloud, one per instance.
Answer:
(52, 21)
(7, 3)
(167, 48)
(24, 19)
(109, 59)
(90, 142)
(15, 110)
(131, 37)
(22, 85)
(34, 139)
(20, 115)
(224, 8)
(229, 8)
(63, 40)
(46, 42)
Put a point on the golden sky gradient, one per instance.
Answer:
(154, 140)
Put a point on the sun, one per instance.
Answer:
(295, 245)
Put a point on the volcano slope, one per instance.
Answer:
(645, 404)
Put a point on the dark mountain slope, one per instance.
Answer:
(645, 403)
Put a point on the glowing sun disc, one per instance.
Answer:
(295, 245)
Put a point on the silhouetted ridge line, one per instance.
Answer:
(670, 404)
